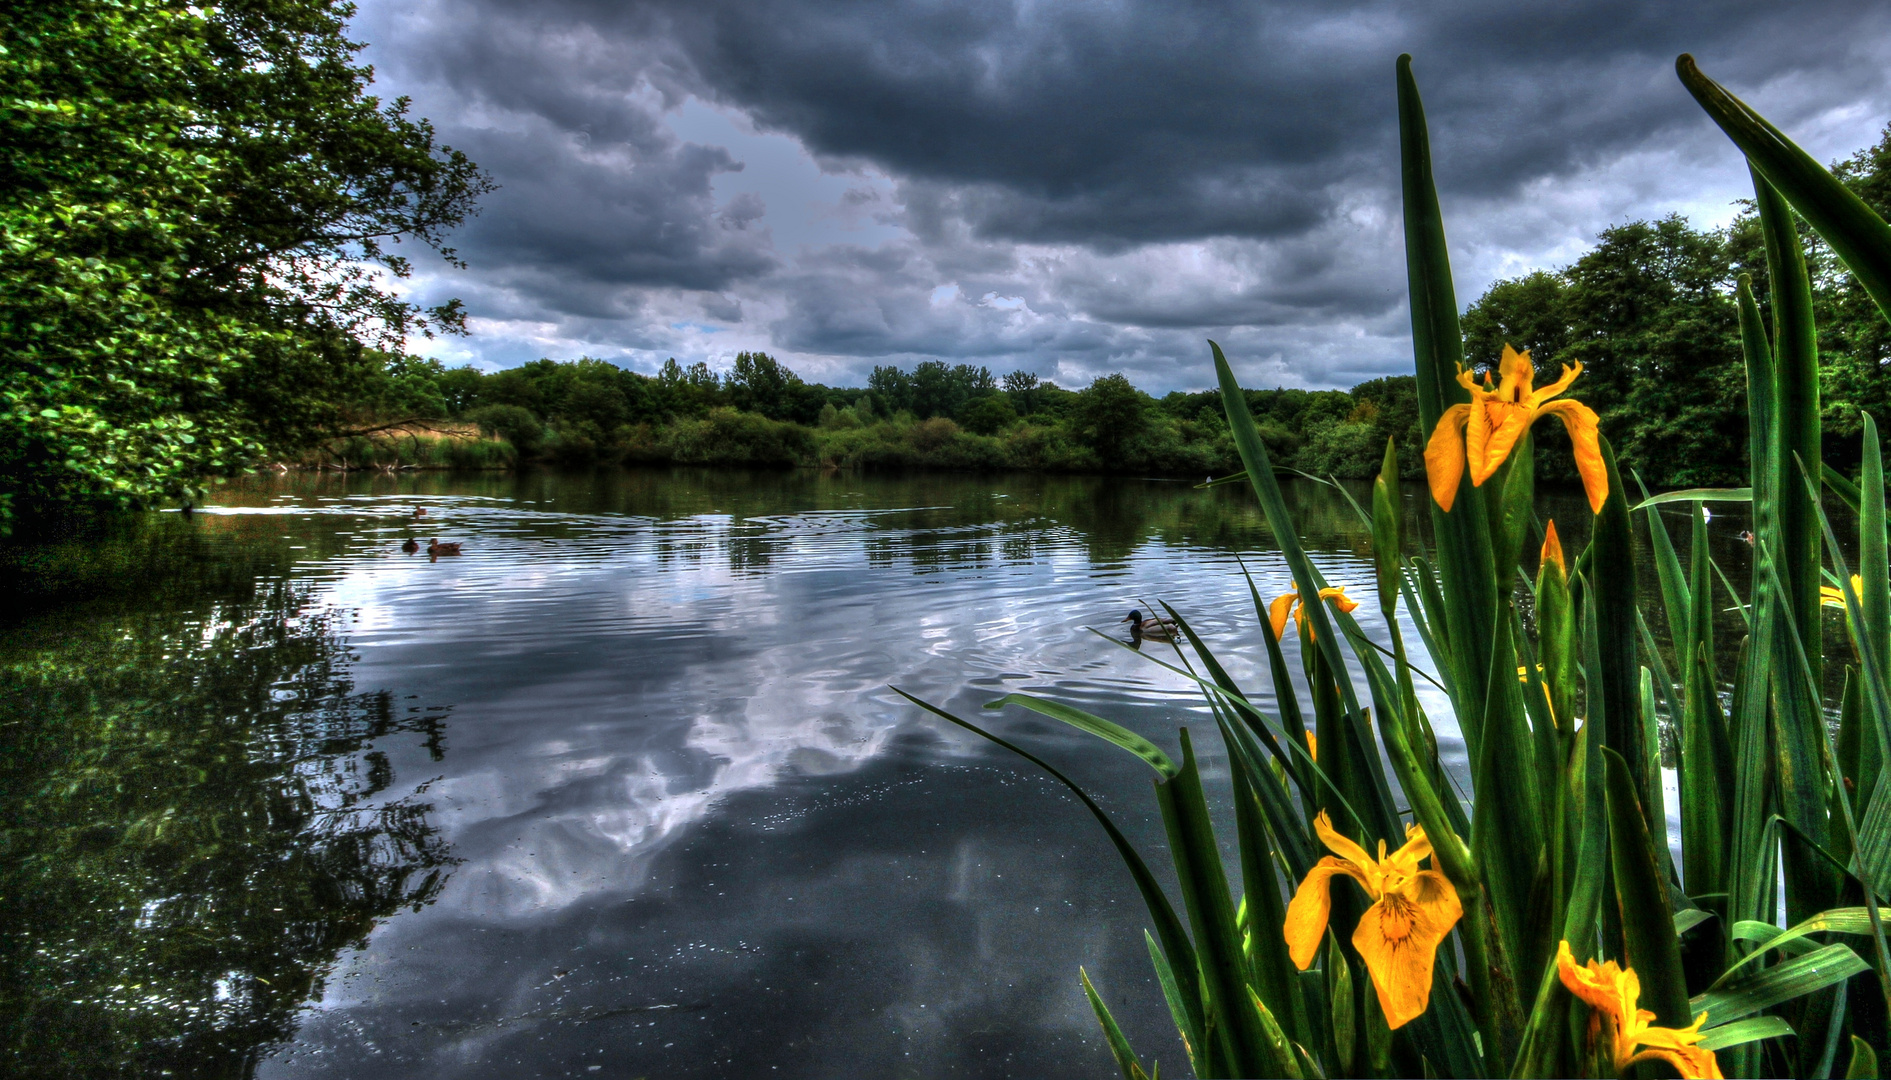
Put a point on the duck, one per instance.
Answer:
(436, 548)
(420, 512)
(1149, 629)
(410, 545)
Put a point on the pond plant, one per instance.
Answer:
(1545, 926)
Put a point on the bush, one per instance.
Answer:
(728, 437)
(515, 424)
(469, 454)
(1342, 448)
(989, 415)
(928, 436)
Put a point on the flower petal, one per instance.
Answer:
(1341, 845)
(1398, 938)
(1508, 423)
(1444, 455)
(1517, 373)
(1585, 437)
(1311, 907)
(1557, 387)
(1345, 603)
(1598, 984)
(1279, 611)
(1416, 850)
(1477, 439)
(1692, 1062)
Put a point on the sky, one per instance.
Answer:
(1067, 188)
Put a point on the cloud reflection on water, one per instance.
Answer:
(630, 674)
(675, 766)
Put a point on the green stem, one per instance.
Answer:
(1498, 1013)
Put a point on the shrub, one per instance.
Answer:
(515, 424)
(727, 437)
(1341, 448)
(989, 415)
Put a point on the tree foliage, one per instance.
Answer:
(197, 208)
(1649, 312)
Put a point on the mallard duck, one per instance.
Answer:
(1151, 629)
(436, 548)
(420, 512)
(410, 545)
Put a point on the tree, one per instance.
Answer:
(1022, 388)
(1529, 312)
(892, 389)
(989, 414)
(934, 390)
(1649, 314)
(192, 206)
(760, 383)
(1109, 413)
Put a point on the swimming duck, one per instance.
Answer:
(410, 545)
(420, 512)
(436, 548)
(1151, 629)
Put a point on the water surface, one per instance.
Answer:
(620, 791)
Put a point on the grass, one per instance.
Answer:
(457, 447)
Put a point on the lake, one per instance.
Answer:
(622, 790)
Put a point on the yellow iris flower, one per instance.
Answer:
(1833, 596)
(1614, 992)
(1398, 936)
(1487, 429)
(1288, 603)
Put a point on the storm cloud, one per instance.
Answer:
(1070, 188)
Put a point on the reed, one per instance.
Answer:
(1378, 924)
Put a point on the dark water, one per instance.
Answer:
(622, 791)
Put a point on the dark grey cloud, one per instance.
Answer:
(611, 215)
(1095, 183)
(1150, 121)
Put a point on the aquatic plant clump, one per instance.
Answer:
(1546, 924)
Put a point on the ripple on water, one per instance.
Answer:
(668, 729)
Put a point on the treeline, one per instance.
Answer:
(1649, 312)
(936, 415)
(199, 203)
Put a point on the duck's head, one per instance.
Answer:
(1134, 616)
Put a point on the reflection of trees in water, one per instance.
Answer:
(193, 822)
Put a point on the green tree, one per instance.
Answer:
(760, 383)
(1530, 312)
(191, 207)
(1022, 387)
(892, 389)
(989, 414)
(1649, 314)
(1109, 414)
